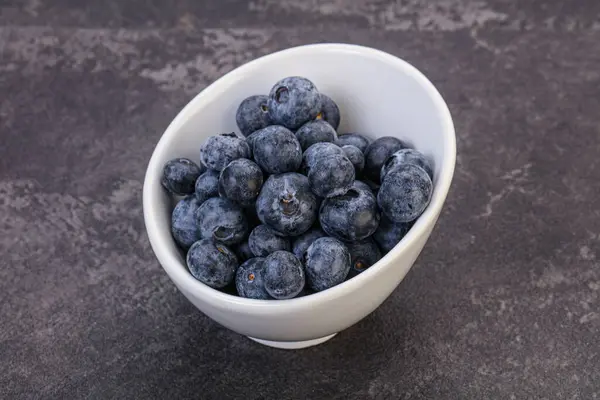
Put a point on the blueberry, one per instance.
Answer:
(212, 263)
(362, 186)
(277, 150)
(329, 111)
(249, 279)
(243, 252)
(315, 132)
(294, 101)
(406, 156)
(183, 222)
(405, 193)
(179, 176)
(378, 152)
(223, 220)
(363, 254)
(351, 217)
(355, 156)
(253, 114)
(327, 263)
(331, 176)
(207, 185)
(316, 151)
(353, 139)
(388, 234)
(303, 242)
(283, 275)
(264, 241)
(241, 181)
(286, 204)
(220, 150)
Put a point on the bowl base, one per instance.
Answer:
(293, 345)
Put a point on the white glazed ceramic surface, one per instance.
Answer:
(378, 94)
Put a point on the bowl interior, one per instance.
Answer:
(378, 95)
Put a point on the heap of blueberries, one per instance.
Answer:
(292, 208)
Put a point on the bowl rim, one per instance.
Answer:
(178, 271)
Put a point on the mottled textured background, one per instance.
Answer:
(502, 304)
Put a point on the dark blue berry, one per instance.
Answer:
(253, 114)
(207, 185)
(212, 263)
(355, 156)
(264, 241)
(277, 150)
(407, 156)
(405, 193)
(327, 263)
(183, 222)
(220, 150)
(331, 176)
(283, 275)
(351, 217)
(388, 234)
(316, 151)
(243, 252)
(330, 112)
(353, 139)
(317, 131)
(303, 242)
(363, 254)
(241, 181)
(378, 152)
(249, 279)
(223, 220)
(179, 176)
(286, 204)
(294, 101)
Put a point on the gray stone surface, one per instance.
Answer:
(502, 304)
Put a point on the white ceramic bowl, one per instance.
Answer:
(378, 94)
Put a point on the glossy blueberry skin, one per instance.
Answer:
(249, 280)
(253, 114)
(303, 242)
(405, 193)
(240, 181)
(317, 131)
(355, 156)
(264, 241)
(243, 252)
(331, 176)
(183, 222)
(207, 185)
(223, 220)
(316, 151)
(286, 204)
(220, 150)
(363, 255)
(353, 139)
(362, 186)
(283, 275)
(389, 234)
(277, 150)
(330, 112)
(351, 217)
(212, 263)
(406, 156)
(294, 101)
(327, 263)
(377, 153)
(179, 176)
